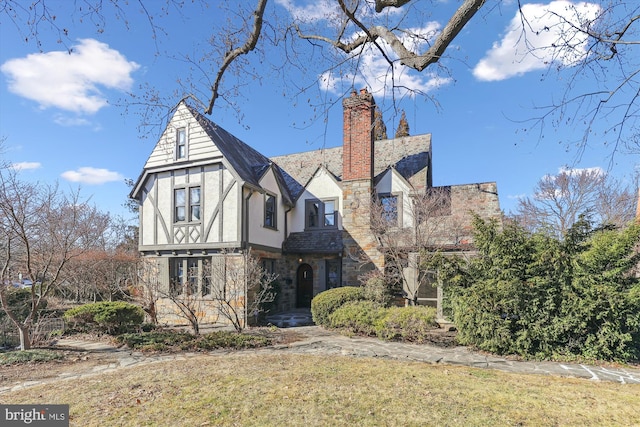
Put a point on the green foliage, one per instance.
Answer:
(157, 340)
(406, 323)
(19, 301)
(389, 323)
(180, 341)
(325, 303)
(534, 295)
(378, 290)
(107, 316)
(26, 356)
(358, 317)
(227, 339)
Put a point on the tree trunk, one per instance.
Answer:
(195, 326)
(25, 337)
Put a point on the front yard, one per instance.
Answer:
(248, 388)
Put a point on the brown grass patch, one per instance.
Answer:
(282, 389)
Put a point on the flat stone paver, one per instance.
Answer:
(319, 341)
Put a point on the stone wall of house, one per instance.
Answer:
(207, 311)
(455, 228)
(360, 246)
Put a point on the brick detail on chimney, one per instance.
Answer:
(358, 112)
(361, 252)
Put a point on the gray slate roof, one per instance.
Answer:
(317, 241)
(250, 164)
(408, 155)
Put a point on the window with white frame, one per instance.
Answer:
(181, 143)
(320, 213)
(270, 212)
(184, 198)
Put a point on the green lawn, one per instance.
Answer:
(295, 390)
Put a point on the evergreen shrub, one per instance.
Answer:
(406, 323)
(111, 317)
(358, 317)
(325, 303)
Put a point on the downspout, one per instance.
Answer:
(244, 243)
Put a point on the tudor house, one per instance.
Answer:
(203, 193)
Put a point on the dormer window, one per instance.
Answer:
(320, 213)
(181, 144)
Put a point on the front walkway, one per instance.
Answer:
(316, 340)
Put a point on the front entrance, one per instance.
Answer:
(304, 290)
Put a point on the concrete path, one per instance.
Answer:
(316, 340)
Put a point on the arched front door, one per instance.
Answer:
(304, 290)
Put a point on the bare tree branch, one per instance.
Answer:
(231, 55)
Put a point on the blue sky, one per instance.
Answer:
(60, 121)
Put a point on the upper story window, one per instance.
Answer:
(320, 213)
(194, 203)
(180, 201)
(270, 217)
(181, 143)
(390, 209)
(183, 198)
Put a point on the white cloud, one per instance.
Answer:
(596, 170)
(313, 11)
(89, 175)
(26, 166)
(375, 73)
(550, 36)
(70, 81)
(68, 121)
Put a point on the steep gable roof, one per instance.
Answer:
(249, 164)
(408, 155)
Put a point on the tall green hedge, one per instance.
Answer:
(534, 295)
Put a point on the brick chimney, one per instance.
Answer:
(361, 252)
(357, 161)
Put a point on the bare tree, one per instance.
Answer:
(147, 289)
(598, 49)
(559, 200)
(41, 231)
(607, 63)
(406, 228)
(240, 287)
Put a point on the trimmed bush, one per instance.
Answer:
(183, 341)
(325, 303)
(378, 290)
(407, 323)
(359, 317)
(108, 316)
